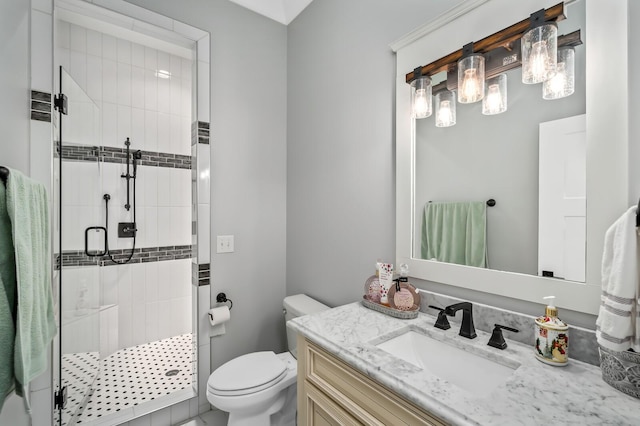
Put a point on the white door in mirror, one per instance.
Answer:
(562, 219)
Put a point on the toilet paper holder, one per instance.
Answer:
(222, 298)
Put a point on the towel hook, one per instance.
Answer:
(222, 298)
(4, 174)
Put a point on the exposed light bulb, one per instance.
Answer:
(470, 87)
(471, 79)
(421, 97)
(557, 82)
(445, 115)
(494, 100)
(445, 108)
(421, 104)
(539, 53)
(562, 84)
(540, 61)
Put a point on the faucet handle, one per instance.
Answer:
(442, 322)
(497, 340)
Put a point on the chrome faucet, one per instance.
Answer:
(466, 329)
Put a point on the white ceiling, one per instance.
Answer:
(283, 11)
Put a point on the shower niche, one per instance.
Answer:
(127, 193)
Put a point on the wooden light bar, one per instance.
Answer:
(504, 38)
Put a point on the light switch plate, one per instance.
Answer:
(224, 244)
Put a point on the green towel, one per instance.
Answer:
(455, 233)
(27, 207)
(7, 300)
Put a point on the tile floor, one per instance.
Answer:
(210, 418)
(139, 374)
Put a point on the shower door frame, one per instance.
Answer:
(200, 170)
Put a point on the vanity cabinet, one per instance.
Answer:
(330, 392)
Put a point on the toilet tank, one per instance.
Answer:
(297, 306)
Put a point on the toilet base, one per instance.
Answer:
(284, 413)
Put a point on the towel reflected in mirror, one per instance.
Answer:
(455, 232)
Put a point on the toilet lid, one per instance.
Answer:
(247, 374)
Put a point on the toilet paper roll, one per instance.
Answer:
(219, 315)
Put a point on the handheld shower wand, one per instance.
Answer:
(136, 156)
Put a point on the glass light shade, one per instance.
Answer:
(445, 108)
(471, 79)
(495, 95)
(421, 97)
(539, 50)
(562, 84)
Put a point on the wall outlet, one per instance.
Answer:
(224, 244)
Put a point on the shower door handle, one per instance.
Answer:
(86, 241)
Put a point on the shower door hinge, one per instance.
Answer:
(60, 103)
(60, 398)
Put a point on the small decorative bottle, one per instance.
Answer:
(552, 337)
(372, 286)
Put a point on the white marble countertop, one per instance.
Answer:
(536, 393)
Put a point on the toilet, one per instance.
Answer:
(259, 388)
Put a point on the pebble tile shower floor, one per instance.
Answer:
(135, 375)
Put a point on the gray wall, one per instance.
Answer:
(15, 85)
(340, 142)
(14, 110)
(248, 166)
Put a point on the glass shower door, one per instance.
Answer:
(79, 243)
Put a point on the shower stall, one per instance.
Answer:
(125, 213)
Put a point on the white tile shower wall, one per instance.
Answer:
(154, 299)
(163, 204)
(120, 76)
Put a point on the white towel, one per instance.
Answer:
(618, 324)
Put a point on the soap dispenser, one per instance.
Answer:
(552, 337)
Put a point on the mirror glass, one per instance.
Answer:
(512, 158)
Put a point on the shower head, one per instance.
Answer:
(106, 197)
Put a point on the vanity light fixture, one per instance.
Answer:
(495, 96)
(562, 84)
(421, 96)
(470, 76)
(539, 49)
(445, 108)
(477, 70)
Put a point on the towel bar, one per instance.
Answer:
(491, 202)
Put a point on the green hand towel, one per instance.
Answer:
(455, 233)
(7, 301)
(28, 209)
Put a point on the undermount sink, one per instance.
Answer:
(469, 371)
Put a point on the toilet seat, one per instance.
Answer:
(247, 374)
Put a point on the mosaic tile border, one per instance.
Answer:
(203, 132)
(119, 155)
(140, 255)
(201, 274)
(40, 106)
